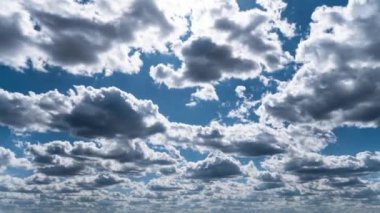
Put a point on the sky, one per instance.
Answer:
(190, 106)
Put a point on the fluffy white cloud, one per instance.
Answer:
(9, 159)
(336, 84)
(85, 39)
(227, 43)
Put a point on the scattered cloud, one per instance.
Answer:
(101, 149)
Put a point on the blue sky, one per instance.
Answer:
(224, 106)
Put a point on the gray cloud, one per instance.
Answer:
(62, 170)
(336, 83)
(263, 144)
(87, 112)
(11, 36)
(269, 181)
(81, 42)
(60, 158)
(227, 43)
(346, 182)
(312, 166)
(248, 140)
(40, 179)
(256, 40)
(108, 114)
(214, 167)
(206, 61)
(102, 180)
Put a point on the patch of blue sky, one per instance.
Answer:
(18, 172)
(256, 161)
(351, 140)
(192, 156)
(247, 4)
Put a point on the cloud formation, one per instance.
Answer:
(85, 39)
(227, 43)
(214, 166)
(104, 150)
(84, 111)
(340, 63)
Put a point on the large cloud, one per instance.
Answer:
(227, 43)
(85, 111)
(205, 61)
(337, 83)
(85, 39)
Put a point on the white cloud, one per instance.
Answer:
(226, 43)
(335, 85)
(85, 39)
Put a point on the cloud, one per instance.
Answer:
(312, 166)
(40, 179)
(62, 169)
(239, 90)
(225, 43)
(239, 139)
(268, 181)
(340, 63)
(85, 111)
(86, 39)
(61, 158)
(204, 93)
(9, 159)
(133, 159)
(244, 107)
(101, 180)
(110, 113)
(248, 139)
(206, 61)
(213, 167)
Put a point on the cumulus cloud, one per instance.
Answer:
(86, 39)
(311, 166)
(84, 111)
(205, 61)
(335, 85)
(226, 43)
(204, 93)
(248, 139)
(240, 139)
(9, 159)
(213, 167)
(61, 158)
(98, 181)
